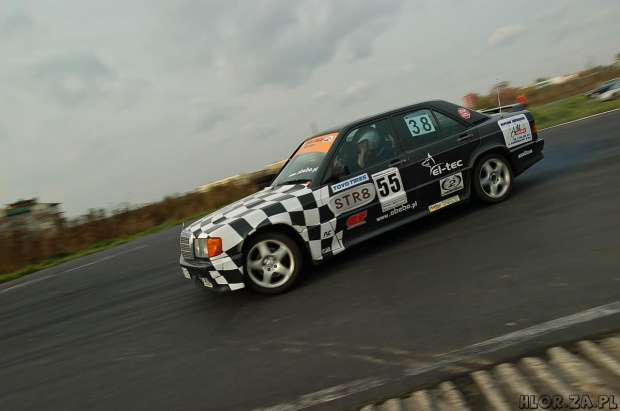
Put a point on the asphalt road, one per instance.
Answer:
(123, 330)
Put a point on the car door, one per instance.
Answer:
(372, 192)
(439, 148)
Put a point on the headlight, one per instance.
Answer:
(207, 247)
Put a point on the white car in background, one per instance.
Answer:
(611, 93)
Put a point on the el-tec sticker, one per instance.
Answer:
(390, 188)
(356, 220)
(437, 168)
(516, 130)
(419, 125)
(318, 144)
(451, 184)
(352, 198)
(463, 112)
(525, 153)
(443, 203)
(350, 182)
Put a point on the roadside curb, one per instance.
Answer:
(584, 375)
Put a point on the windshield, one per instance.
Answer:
(306, 160)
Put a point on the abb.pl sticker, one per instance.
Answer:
(463, 112)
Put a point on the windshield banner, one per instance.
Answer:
(320, 144)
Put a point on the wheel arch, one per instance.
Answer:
(281, 228)
(501, 150)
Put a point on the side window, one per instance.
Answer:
(417, 129)
(448, 125)
(366, 146)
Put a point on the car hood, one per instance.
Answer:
(242, 209)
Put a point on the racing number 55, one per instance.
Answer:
(392, 185)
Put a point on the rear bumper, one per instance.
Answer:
(526, 155)
(212, 276)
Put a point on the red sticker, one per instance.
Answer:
(357, 219)
(463, 112)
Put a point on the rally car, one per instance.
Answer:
(351, 183)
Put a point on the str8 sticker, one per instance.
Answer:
(516, 130)
(352, 198)
(451, 184)
(389, 189)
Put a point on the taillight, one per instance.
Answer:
(534, 131)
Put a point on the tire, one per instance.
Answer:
(272, 263)
(493, 179)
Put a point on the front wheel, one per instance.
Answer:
(493, 179)
(273, 262)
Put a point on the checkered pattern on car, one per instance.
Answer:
(298, 206)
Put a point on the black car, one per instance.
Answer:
(351, 183)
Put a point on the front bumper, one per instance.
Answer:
(223, 275)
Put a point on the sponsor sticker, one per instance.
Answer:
(318, 144)
(516, 130)
(436, 169)
(352, 198)
(304, 170)
(451, 184)
(326, 250)
(390, 188)
(443, 203)
(463, 112)
(343, 185)
(356, 220)
(405, 207)
(525, 153)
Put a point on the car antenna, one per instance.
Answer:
(498, 100)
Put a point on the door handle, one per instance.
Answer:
(398, 162)
(464, 137)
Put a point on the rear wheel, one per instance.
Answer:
(493, 179)
(273, 262)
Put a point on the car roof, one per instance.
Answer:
(440, 104)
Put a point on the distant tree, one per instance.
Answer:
(540, 80)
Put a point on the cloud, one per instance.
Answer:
(319, 95)
(75, 78)
(504, 34)
(212, 115)
(259, 131)
(278, 43)
(356, 91)
(15, 24)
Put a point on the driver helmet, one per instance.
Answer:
(373, 137)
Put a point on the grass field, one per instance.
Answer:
(94, 248)
(572, 108)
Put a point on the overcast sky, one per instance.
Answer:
(105, 102)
